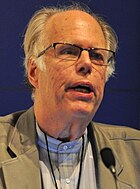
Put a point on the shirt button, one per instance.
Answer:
(65, 147)
(67, 180)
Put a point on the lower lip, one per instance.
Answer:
(81, 95)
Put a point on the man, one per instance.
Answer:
(69, 55)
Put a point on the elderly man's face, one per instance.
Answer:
(71, 88)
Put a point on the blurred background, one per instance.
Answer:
(121, 104)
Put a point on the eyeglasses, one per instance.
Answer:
(71, 52)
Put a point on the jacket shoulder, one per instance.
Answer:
(10, 118)
(117, 132)
(7, 124)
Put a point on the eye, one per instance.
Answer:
(68, 50)
(96, 56)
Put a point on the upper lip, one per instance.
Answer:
(81, 83)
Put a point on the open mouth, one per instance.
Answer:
(82, 89)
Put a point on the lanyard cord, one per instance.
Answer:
(81, 162)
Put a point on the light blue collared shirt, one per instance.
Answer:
(65, 158)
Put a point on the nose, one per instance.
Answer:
(84, 65)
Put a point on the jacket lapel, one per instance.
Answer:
(105, 177)
(23, 170)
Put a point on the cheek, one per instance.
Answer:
(56, 77)
(99, 83)
(99, 76)
(59, 72)
(53, 79)
(101, 90)
(104, 74)
(101, 73)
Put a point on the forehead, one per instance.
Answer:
(74, 26)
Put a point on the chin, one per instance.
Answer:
(83, 111)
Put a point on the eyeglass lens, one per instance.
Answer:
(72, 52)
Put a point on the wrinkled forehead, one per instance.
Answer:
(69, 23)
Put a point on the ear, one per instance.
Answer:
(33, 72)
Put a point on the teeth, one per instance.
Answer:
(83, 89)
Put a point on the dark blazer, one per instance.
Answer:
(19, 160)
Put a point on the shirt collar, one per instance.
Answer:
(57, 145)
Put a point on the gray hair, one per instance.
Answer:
(33, 40)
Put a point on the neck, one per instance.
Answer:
(62, 130)
(61, 126)
(65, 133)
